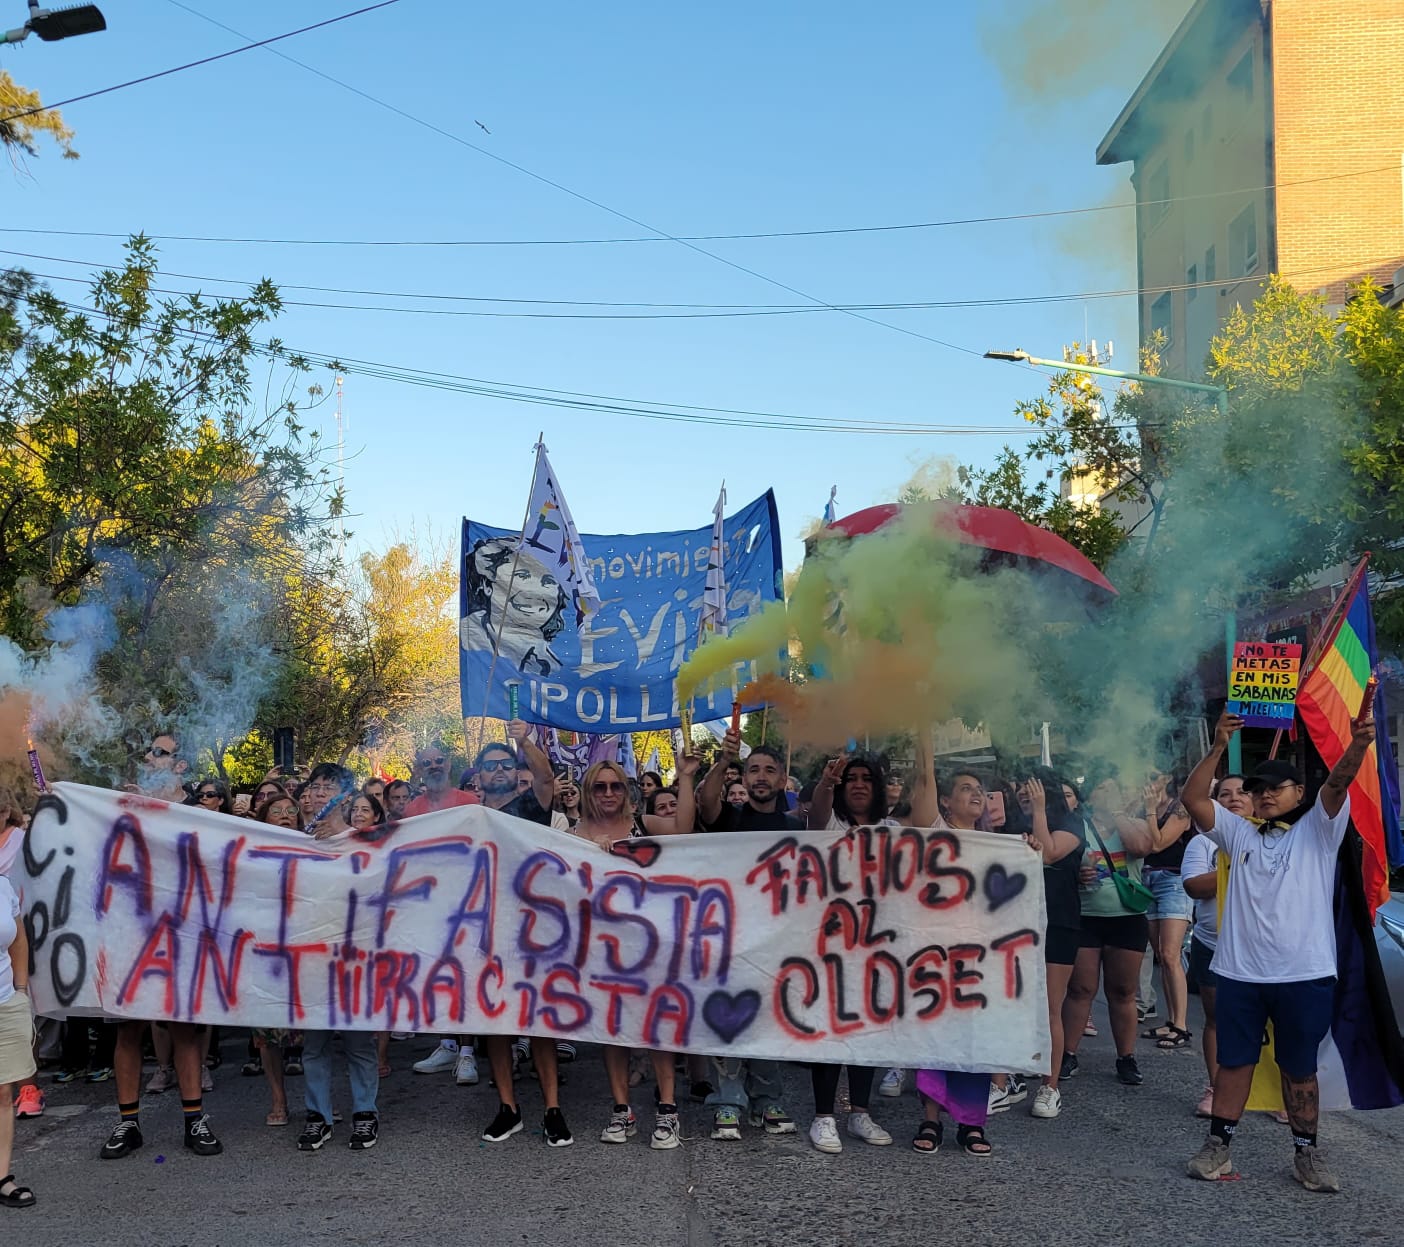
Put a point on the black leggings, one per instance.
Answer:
(826, 1081)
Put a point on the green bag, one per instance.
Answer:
(1134, 896)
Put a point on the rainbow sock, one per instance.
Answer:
(192, 1110)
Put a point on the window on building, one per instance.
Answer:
(1192, 283)
(1162, 318)
(1211, 265)
(1243, 242)
(1240, 78)
(1157, 192)
(1189, 147)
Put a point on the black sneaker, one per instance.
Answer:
(200, 1139)
(1128, 1072)
(125, 1139)
(365, 1131)
(315, 1134)
(1068, 1069)
(554, 1127)
(502, 1127)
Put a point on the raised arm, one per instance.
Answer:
(685, 819)
(1052, 845)
(1194, 792)
(543, 777)
(925, 802)
(1337, 785)
(822, 805)
(709, 792)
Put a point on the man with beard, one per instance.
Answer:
(431, 767)
(1276, 955)
(765, 810)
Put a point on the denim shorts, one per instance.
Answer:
(1171, 899)
(1300, 1014)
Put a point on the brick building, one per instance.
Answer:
(1267, 137)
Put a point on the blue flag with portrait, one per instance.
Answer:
(615, 669)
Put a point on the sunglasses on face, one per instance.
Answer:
(157, 752)
(613, 788)
(434, 761)
(209, 796)
(499, 764)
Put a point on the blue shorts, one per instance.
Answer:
(1171, 899)
(1300, 1014)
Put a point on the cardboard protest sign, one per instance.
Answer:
(1263, 683)
(879, 946)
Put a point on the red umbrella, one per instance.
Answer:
(989, 528)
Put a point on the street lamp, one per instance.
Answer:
(1017, 356)
(52, 25)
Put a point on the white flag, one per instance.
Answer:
(713, 619)
(831, 507)
(551, 530)
(654, 763)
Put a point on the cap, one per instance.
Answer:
(1270, 775)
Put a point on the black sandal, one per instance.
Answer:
(929, 1137)
(17, 1196)
(1176, 1038)
(972, 1140)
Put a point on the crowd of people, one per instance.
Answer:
(1130, 869)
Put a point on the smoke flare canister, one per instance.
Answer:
(1367, 700)
(736, 716)
(34, 765)
(513, 700)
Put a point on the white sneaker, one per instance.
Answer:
(823, 1133)
(891, 1084)
(667, 1133)
(465, 1070)
(1048, 1103)
(862, 1126)
(621, 1127)
(442, 1058)
(1000, 1098)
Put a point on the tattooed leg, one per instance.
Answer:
(1302, 1099)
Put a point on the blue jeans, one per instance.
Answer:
(757, 1091)
(362, 1064)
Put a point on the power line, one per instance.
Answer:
(207, 60)
(601, 404)
(670, 311)
(594, 203)
(949, 223)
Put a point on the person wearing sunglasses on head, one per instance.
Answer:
(433, 767)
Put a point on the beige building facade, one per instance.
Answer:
(1267, 137)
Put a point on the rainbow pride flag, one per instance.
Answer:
(1328, 700)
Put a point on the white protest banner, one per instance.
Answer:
(878, 946)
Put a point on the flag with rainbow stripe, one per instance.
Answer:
(1328, 700)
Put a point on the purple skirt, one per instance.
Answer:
(966, 1097)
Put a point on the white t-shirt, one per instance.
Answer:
(1279, 922)
(9, 927)
(11, 842)
(1202, 858)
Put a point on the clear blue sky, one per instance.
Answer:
(729, 117)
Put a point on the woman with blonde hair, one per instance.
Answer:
(607, 816)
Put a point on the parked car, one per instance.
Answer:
(1389, 939)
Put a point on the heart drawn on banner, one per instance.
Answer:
(644, 852)
(729, 1015)
(1001, 887)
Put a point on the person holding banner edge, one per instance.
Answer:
(1276, 954)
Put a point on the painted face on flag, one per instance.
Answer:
(515, 604)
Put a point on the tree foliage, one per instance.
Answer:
(22, 134)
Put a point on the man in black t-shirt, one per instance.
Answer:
(764, 777)
(757, 1088)
(496, 767)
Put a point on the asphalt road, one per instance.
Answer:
(1109, 1170)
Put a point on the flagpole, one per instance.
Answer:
(511, 579)
(1326, 636)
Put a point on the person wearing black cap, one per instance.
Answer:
(1276, 956)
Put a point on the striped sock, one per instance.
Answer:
(129, 1112)
(193, 1110)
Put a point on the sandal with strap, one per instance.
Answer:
(1158, 1032)
(929, 1137)
(1177, 1038)
(972, 1140)
(17, 1196)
